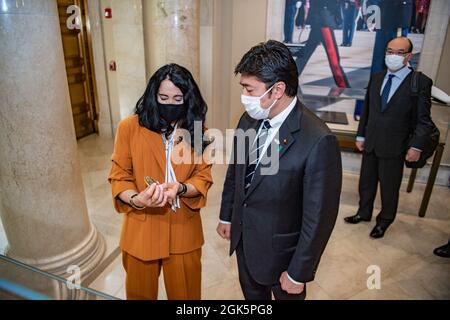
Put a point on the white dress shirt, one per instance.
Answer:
(275, 124)
(170, 173)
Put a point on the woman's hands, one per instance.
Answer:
(170, 190)
(153, 196)
(158, 195)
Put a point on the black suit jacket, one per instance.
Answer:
(401, 125)
(286, 219)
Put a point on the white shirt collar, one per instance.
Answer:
(402, 73)
(278, 120)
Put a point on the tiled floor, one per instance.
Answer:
(409, 270)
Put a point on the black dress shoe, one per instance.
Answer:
(355, 219)
(443, 251)
(378, 232)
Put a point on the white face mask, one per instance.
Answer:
(253, 106)
(394, 62)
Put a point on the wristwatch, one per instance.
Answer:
(183, 189)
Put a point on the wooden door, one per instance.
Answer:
(79, 65)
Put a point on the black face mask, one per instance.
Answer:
(171, 112)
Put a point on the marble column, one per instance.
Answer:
(42, 201)
(171, 34)
(435, 33)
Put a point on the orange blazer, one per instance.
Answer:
(155, 233)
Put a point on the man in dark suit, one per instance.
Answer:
(279, 221)
(394, 127)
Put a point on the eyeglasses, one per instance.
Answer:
(400, 53)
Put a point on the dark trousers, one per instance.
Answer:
(300, 19)
(253, 290)
(348, 30)
(387, 171)
(289, 19)
(324, 35)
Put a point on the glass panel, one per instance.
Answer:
(340, 108)
(19, 281)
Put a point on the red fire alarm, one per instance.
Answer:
(108, 13)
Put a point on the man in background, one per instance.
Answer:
(394, 127)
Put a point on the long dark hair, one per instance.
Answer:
(196, 108)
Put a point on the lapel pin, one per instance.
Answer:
(285, 141)
(179, 140)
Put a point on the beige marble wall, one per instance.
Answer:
(123, 43)
(443, 75)
(443, 82)
(221, 64)
(232, 37)
(275, 18)
(244, 36)
(43, 207)
(129, 51)
(206, 56)
(98, 50)
(172, 34)
(435, 33)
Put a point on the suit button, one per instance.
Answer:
(240, 223)
(245, 205)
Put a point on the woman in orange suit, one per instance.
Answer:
(162, 226)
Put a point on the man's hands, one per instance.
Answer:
(152, 197)
(290, 287)
(412, 155)
(360, 145)
(224, 230)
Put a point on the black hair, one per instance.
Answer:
(411, 47)
(270, 62)
(196, 108)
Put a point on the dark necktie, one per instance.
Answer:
(385, 93)
(255, 153)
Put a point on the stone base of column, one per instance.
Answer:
(86, 256)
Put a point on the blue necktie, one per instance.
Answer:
(385, 93)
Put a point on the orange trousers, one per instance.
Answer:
(182, 276)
